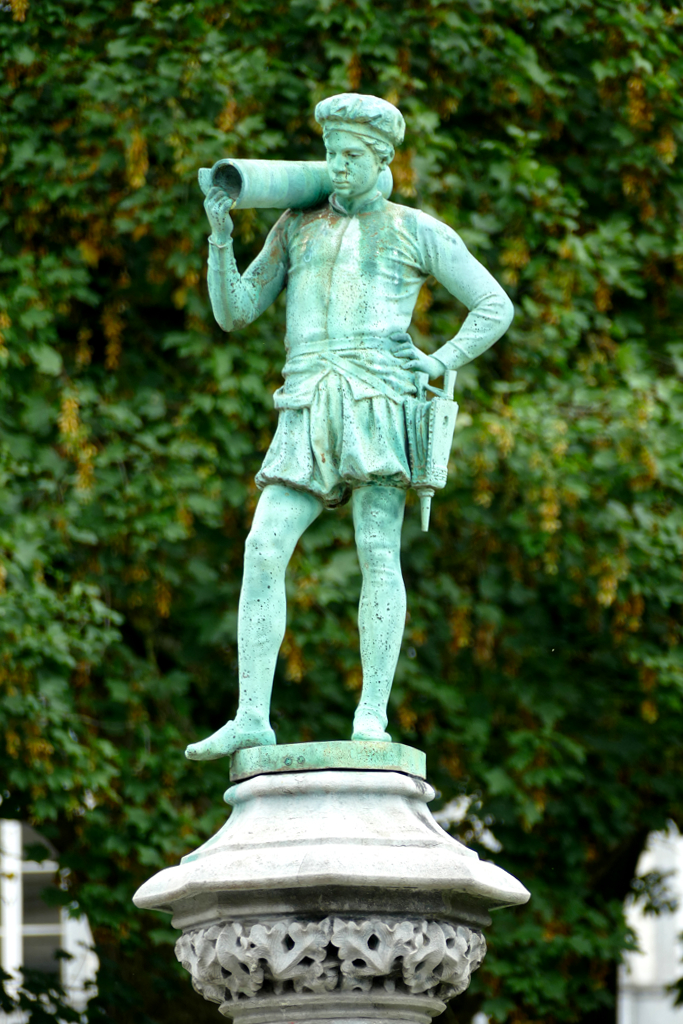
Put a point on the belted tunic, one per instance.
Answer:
(352, 281)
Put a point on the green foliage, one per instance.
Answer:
(40, 998)
(542, 666)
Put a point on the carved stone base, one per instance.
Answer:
(379, 964)
(331, 895)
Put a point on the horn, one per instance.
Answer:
(276, 184)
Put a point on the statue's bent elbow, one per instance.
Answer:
(224, 323)
(230, 322)
(507, 312)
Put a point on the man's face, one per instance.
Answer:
(354, 167)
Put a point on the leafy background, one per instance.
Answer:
(542, 667)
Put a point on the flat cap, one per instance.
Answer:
(365, 115)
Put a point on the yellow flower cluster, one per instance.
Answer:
(19, 9)
(112, 325)
(74, 437)
(5, 322)
(137, 160)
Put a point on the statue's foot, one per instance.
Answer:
(228, 739)
(367, 727)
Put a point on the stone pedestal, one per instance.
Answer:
(331, 893)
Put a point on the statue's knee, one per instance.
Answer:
(263, 553)
(377, 554)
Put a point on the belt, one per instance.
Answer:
(325, 345)
(348, 369)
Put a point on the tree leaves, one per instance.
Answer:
(541, 666)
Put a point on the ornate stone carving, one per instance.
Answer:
(234, 961)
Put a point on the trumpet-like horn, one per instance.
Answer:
(276, 184)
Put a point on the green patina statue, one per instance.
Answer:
(349, 423)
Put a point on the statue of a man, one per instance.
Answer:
(353, 269)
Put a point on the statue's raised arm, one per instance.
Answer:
(237, 300)
(355, 423)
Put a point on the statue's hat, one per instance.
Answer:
(365, 115)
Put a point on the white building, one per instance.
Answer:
(643, 998)
(31, 930)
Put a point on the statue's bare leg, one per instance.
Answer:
(281, 517)
(378, 518)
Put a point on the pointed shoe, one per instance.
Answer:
(227, 740)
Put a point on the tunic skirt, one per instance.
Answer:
(338, 442)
